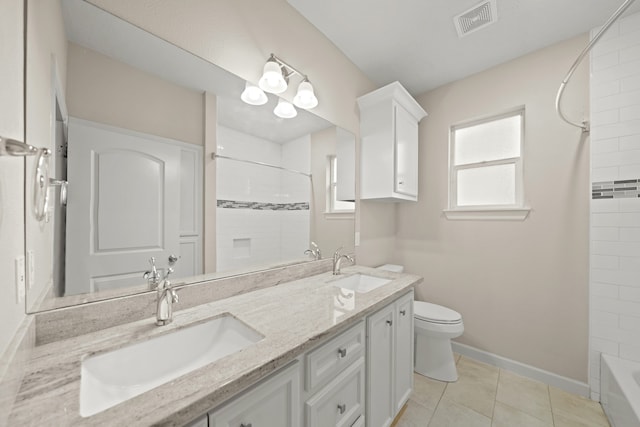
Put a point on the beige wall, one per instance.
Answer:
(328, 231)
(108, 91)
(11, 169)
(521, 287)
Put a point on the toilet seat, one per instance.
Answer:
(435, 313)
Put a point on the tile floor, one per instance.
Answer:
(485, 396)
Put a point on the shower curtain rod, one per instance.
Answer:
(252, 162)
(585, 123)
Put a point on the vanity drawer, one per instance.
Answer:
(326, 362)
(341, 402)
(273, 403)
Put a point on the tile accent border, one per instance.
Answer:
(623, 188)
(537, 374)
(262, 206)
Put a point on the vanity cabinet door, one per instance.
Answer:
(379, 368)
(390, 361)
(341, 402)
(273, 403)
(404, 350)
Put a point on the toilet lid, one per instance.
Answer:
(435, 313)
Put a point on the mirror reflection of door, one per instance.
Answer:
(121, 208)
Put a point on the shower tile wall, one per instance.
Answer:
(263, 213)
(615, 218)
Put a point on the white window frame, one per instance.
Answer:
(331, 194)
(515, 211)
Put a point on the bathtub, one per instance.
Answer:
(620, 391)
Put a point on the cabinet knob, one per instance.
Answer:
(389, 322)
(342, 408)
(403, 312)
(342, 352)
(400, 182)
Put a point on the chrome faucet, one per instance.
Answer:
(337, 259)
(314, 251)
(165, 297)
(165, 294)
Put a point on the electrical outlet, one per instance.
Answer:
(31, 269)
(20, 282)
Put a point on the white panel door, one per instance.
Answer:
(122, 206)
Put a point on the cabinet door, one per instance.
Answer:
(379, 368)
(404, 351)
(273, 403)
(406, 152)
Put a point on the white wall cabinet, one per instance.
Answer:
(389, 119)
(389, 361)
(273, 403)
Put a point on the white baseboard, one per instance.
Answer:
(555, 380)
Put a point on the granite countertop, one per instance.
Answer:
(293, 317)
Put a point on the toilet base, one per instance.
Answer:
(434, 358)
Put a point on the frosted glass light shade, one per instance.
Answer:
(272, 80)
(253, 95)
(305, 98)
(285, 109)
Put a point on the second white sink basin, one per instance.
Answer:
(360, 282)
(111, 378)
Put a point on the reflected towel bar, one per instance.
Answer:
(252, 162)
(12, 147)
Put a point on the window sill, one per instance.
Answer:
(339, 215)
(490, 214)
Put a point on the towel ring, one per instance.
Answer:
(41, 185)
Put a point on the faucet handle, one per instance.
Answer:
(174, 295)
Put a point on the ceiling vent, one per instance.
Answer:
(476, 18)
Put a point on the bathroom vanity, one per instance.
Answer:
(315, 361)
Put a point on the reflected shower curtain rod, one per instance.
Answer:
(252, 162)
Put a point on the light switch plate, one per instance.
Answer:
(20, 282)
(31, 266)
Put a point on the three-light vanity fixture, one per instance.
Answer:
(275, 79)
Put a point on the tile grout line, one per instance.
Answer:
(495, 397)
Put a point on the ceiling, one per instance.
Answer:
(416, 43)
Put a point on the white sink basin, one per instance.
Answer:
(360, 282)
(111, 378)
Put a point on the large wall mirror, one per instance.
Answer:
(132, 123)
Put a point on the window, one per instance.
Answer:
(486, 168)
(333, 204)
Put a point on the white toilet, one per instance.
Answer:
(434, 326)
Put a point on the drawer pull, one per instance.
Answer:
(245, 425)
(342, 408)
(403, 312)
(342, 352)
(389, 322)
